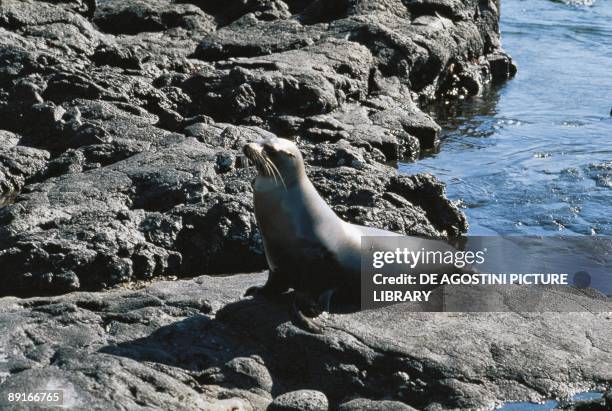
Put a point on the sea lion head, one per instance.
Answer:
(277, 160)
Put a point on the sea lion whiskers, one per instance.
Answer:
(270, 172)
(258, 159)
(265, 165)
(275, 169)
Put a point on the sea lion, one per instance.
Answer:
(307, 246)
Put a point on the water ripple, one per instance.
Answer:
(535, 155)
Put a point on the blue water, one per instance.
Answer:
(534, 156)
(550, 404)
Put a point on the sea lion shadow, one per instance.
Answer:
(206, 346)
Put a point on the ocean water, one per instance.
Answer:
(550, 404)
(534, 155)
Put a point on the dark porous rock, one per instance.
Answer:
(136, 16)
(363, 404)
(603, 403)
(425, 190)
(250, 37)
(111, 224)
(18, 164)
(184, 208)
(125, 205)
(302, 400)
(49, 26)
(196, 344)
(368, 125)
(123, 124)
(313, 80)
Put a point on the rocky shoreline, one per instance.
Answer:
(121, 128)
(196, 344)
(120, 154)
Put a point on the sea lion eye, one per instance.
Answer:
(288, 153)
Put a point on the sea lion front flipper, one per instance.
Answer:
(275, 285)
(303, 322)
(307, 305)
(304, 309)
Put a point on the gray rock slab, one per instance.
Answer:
(192, 343)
